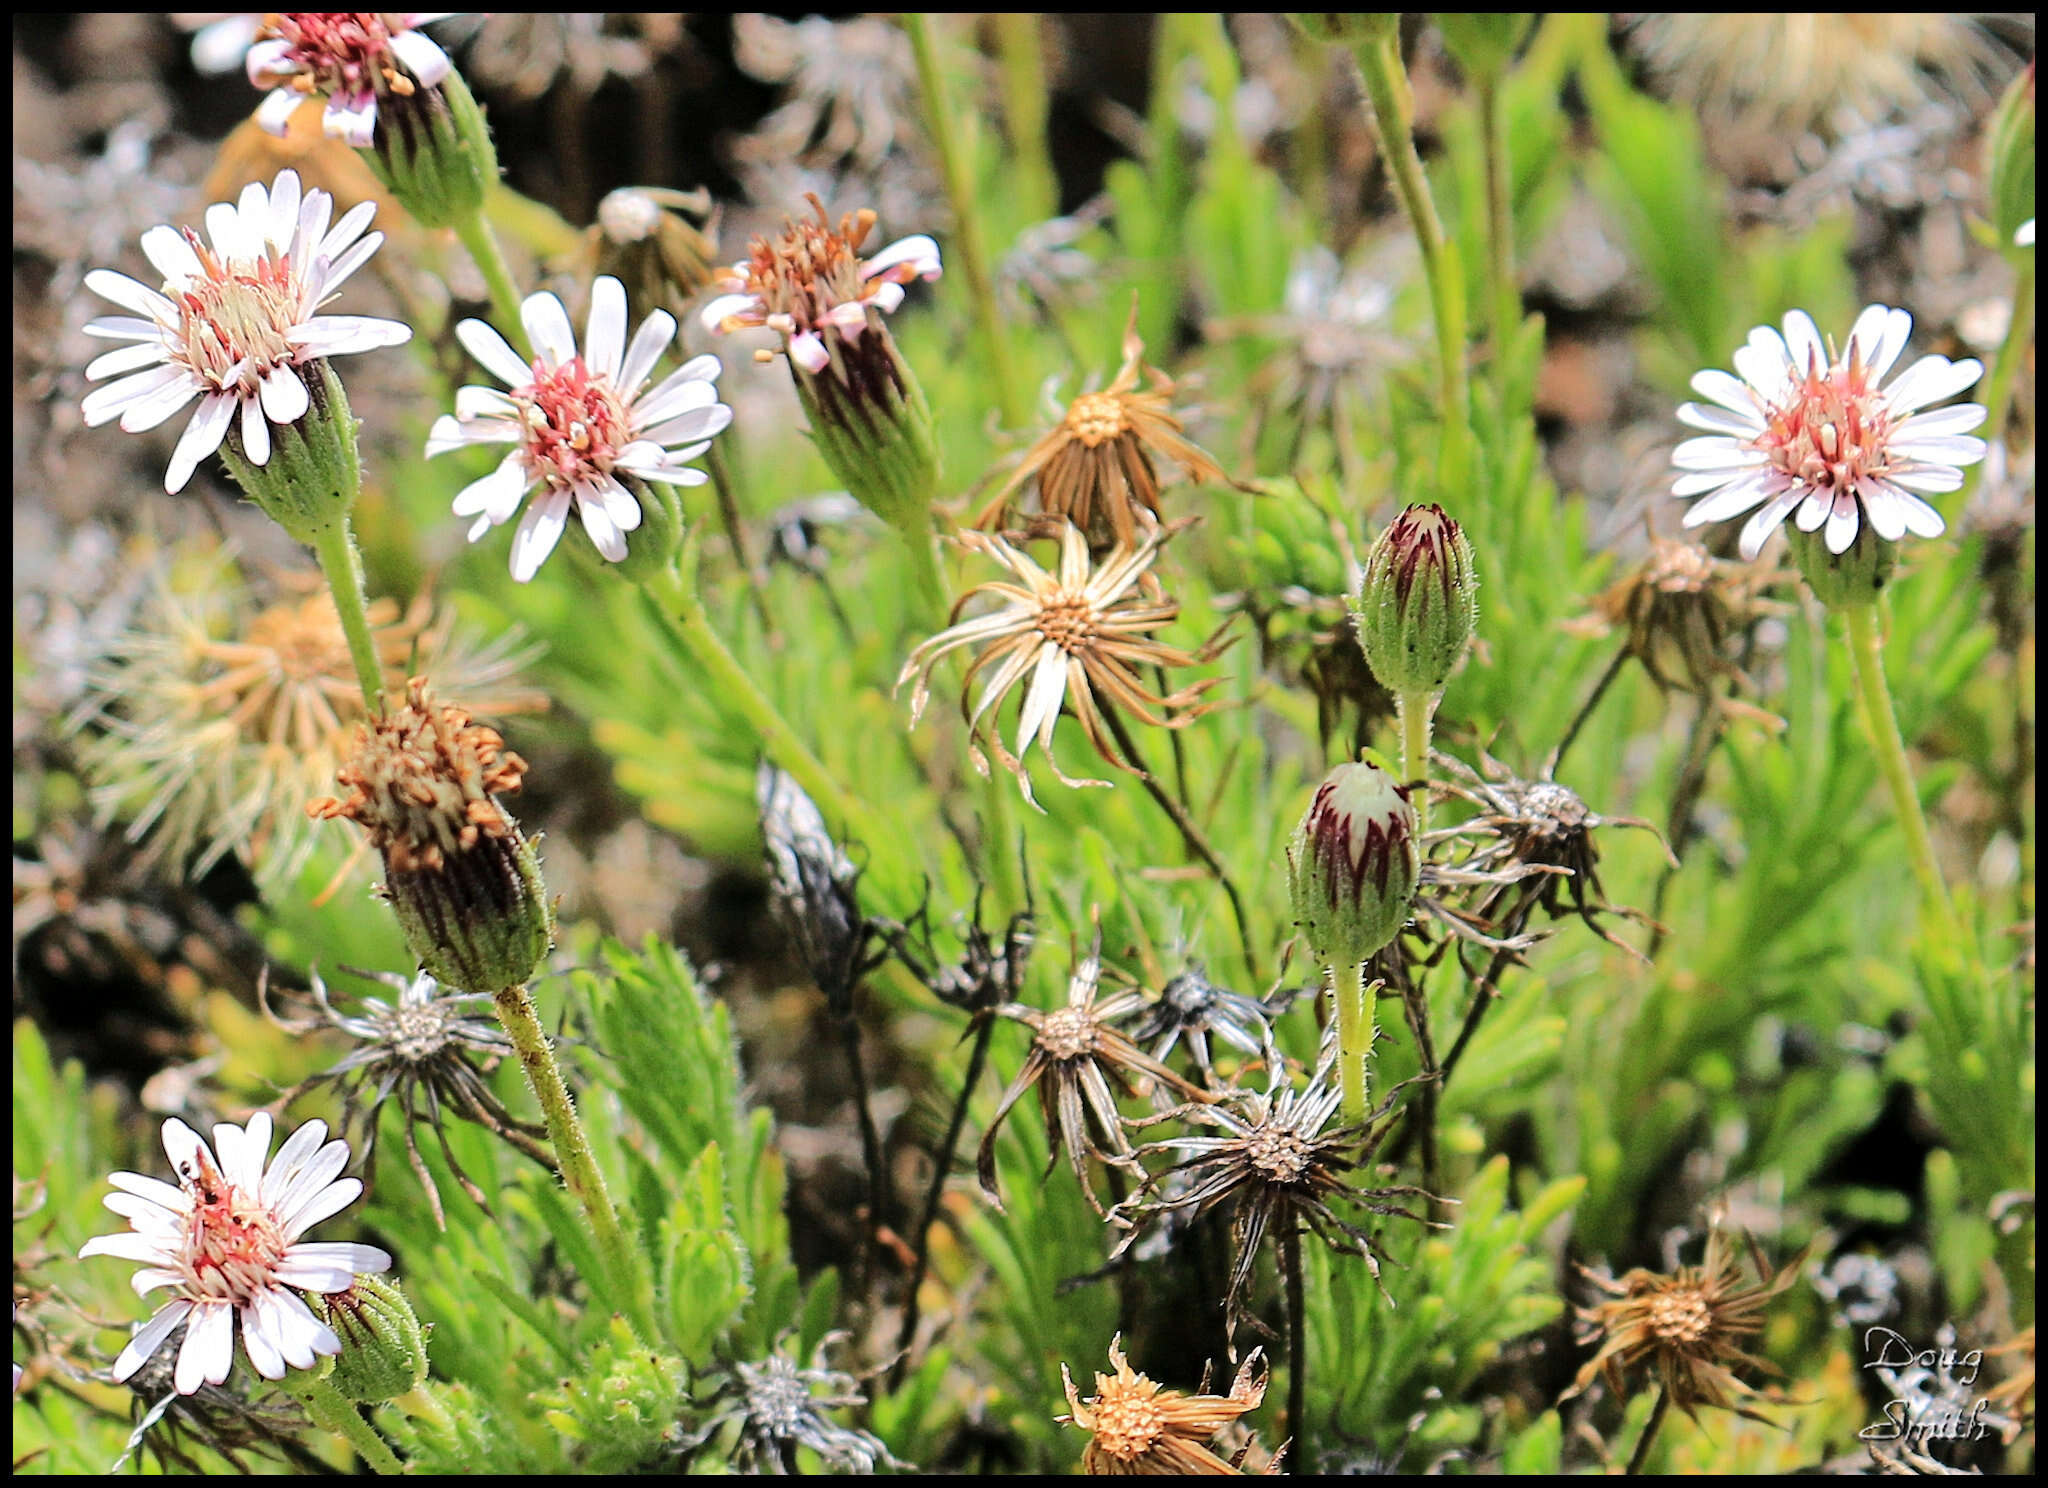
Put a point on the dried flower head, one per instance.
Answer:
(661, 244)
(851, 84)
(585, 429)
(1096, 469)
(226, 1241)
(423, 784)
(1272, 1160)
(1335, 347)
(1690, 1327)
(1190, 1007)
(421, 1049)
(352, 59)
(1079, 635)
(1078, 1062)
(1138, 1427)
(779, 1406)
(1787, 71)
(236, 321)
(1806, 432)
(1679, 609)
(1536, 824)
(223, 721)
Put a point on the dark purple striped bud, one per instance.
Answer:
(1353, 864)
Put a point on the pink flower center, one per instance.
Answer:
(575, 424)
(233, 320)
(345, 52)
(233, 1243)
(1831, 428)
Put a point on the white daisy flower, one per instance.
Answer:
(2023, 235)
(350, 58)
(237, 316)
(576, 424)
(810, 282)
(1807, 433)
(225, 1240)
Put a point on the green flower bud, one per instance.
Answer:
(1484, 42)
(465, 883)
(433, 152)
(870, 421)
(1353, 864)
(314, 474)
(1849, 580)
(2009, 152)
(1418, 601)
(383, 1345)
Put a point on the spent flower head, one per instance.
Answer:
(1191, 1008)
(1137, 1427)
(1271, 1156)
(1078, 1061)
(225, 1240)
(585, 430)
(1808, 432)
(222, 721)
(779, 1405)
(423, 783)
(422, 1049)
(1079, 635)
(1690, 1326)
(353, 59)
(1098, 468)
(236, 323)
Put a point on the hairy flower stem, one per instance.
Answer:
(330, 1408)
(342, 565)
(942, 1169)
(1641, 1454)
(579, 1170)
(1393, 107)
(681, 611)
(1355, 1033)
(943, 130)
(1197, 843)
(879, 1206)
(1417, 711)
(1866, 654)
(482, 243)
(1297, 1346)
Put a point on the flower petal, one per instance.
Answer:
(539, 530)
(604, 335)
(149, 1338)
(1930, 380)
(209, 1349)
(548, 329)
(494, 353)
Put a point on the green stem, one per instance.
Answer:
(944, 131)
(1354, 1037)
(482, 243)
(1393, 106)
(1506, 300)
(1866, 653)
(1641, 1454)
(682, 614)
(999, 846)
(1024, 99)
(573, 1158)
(330, 1408)
(1417, 711)
(335, 547)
